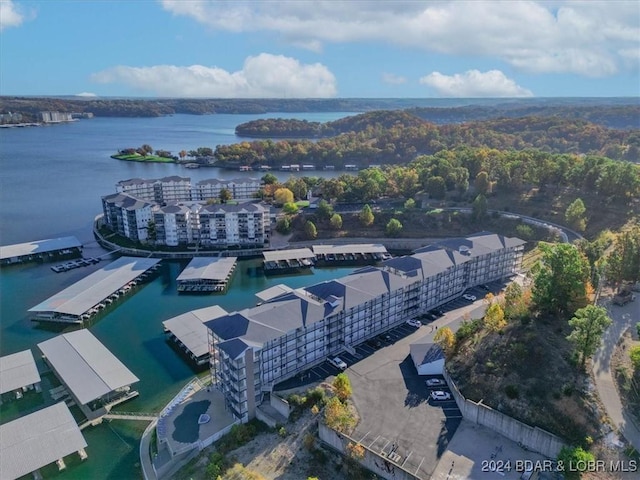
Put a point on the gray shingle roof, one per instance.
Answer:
(126, 201)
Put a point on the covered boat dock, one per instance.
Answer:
(207, 274)
(18, 374)
(288, 261)
(39, 439)
(350, 254)
(85, 298)
(91, 374)
(40, 250)
(190, 334)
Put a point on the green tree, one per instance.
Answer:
(394, 227)
(588, 323)
(152, 231)
(290, 208)
(575, 215)
(446, 339)
(479, 208)
(624, 262)
(494, 317)
(342, 386)
(634, 354)
(482, 183)
(436, 187)
(310, 230)
(324, 210)
(524, 231)
(269, 179)
(283, 195)
(366, 216)
(283, 225)
(225, 195)
(574, 461)
(336, 221)
(410, 204)
(560, 279)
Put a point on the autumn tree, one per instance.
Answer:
(283, 195)
(560, 279)
(355, 451)
(446, 339)
(575, 215)
(394, 227)
(515, 302)
(436, 187)
(342, 386)
(225, 195)
(588, 323)
(338, 416)
(336, 221)
(494, 317)
(482, 183)
(310, 230)
(366, 216)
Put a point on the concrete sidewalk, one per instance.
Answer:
(623, 318)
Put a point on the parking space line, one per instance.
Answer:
(385, 445)
(406, 458)
(365, 436)
(418, 469)
(376, 439)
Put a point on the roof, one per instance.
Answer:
(248, 207)
(18, 370)
(237, 324)
(39, 246)
(208, 268)
(85, 365)
(141, 181)
(189, 328)
(126, 201)
(237, 181)
(424, 353)
(91, 290)
(38, 439)
(351, 248)
(273, 292)
(291, 254)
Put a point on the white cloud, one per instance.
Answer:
(393, 79)
(262, 76)
(579, 36)
(10, 14)
(86, 94)
(474, 83)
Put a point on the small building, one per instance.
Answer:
(40, 250)
(39, 439)
(207, 274)
(190, 334)
(93, 375)
(18, 374)
(295, 260)
(427, 356)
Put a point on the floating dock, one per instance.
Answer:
(84, 299)
(281, 262)
(39, 439)
(351, 254)
(207, 274)
(190, 335)
(40, 250)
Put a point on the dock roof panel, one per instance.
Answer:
(85, 365)
(18, 370)
(38, 439)
(292, 254)
(350, 248)
(39, 246)
(91, 290)
(273, 292)
(208, 268)
(190, 329)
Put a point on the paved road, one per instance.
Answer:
(623, 318)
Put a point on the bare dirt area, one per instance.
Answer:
(628, 385)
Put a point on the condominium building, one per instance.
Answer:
(240, 188)
(160, 190)
(127, 215)
(293, 330)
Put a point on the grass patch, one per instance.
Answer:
(143, 158)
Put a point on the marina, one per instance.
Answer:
(84, 299)
(40, 250)
(282, 262)
(18, 374)
(206, 275)
(83, 262)
(351, 254)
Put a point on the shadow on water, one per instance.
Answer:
(157, 348)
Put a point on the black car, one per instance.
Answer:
(374, 343)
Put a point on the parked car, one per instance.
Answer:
(471, 298)
(374, 343)
(440, 395)
(435, 382)
(414, 323)
(338, 363)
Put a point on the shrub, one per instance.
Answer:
(282, 432)
(574, 460)
(511, 391)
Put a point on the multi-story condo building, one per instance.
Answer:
(293, 330)
(240, 188)
(175, 224)
(245, 224)
(127, 215)
(161, 190)
(54, 117)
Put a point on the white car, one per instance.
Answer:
(440, 395)
(471, 298)
(435, 382)
(338, 363)
(414, 323)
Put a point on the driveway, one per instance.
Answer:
(623, 318)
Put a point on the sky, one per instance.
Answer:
(320, 49)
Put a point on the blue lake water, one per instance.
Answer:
(51, 180)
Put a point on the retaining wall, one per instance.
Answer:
(281, 405)
(533, 438)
